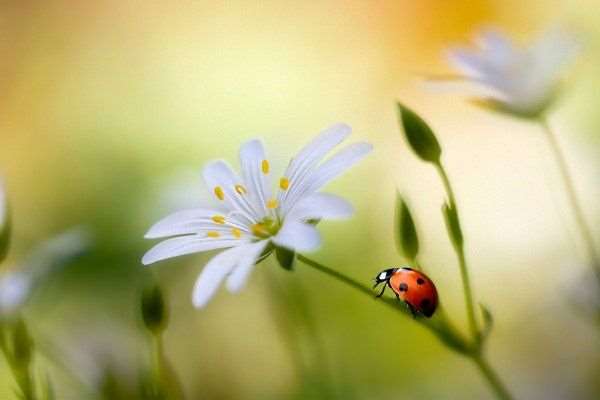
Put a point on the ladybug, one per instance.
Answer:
(413, 287)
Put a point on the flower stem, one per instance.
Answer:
(462, 261)
(565, 174)
(492, 378)
(442, 328)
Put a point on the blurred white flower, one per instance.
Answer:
(17, 285)
(518, 80)
(249, 219)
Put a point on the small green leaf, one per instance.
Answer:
(453, 225)
(419, 135)
(21, 344)
(488, 321)
(406, 233)
(154, 310)
(285, 257)
(5, 223)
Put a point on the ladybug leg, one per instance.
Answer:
(382, 290)
(412, 309)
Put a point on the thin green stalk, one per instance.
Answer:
(462, 261)
(492, 378)
(441, 327)
(586, 232)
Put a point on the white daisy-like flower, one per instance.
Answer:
(18, 284)
(250, 220)
(520, 80)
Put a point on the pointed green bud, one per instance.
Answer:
(154, 310)
(419, 135)
(4, 222)
(285, 257)
(406, 233)
(453, 225)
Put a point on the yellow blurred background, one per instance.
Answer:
(109, 109)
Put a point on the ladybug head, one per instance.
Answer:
(384, 276)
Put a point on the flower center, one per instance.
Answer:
(266, 228)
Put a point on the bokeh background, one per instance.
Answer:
(109, 109)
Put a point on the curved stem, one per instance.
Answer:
(443, 329)
(586, 232)
(462, 261)
(492, 378)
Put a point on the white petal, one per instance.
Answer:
(238, 277)
(298, 236)
(321, 206)
(182, 223)
(213, 274)
(468, 62)
(186, 245)
(339, 163)
(252, 156)
(218, 174)
(313, 152)
(465, 87)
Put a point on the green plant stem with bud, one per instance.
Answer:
(458, 245)
(439, 325)
(586, 232)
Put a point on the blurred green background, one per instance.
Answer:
(109, 109)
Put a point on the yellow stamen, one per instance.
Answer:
(265, 167)
(219, 193)
(272, 203)
(236, 233)
(284, 183)
(240, 189)
(213, 234)
(218, 219)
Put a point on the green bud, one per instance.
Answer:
(406, 233)
(154, 310)
(285, 257)
(419, 135)
(5, 225)
(453, 225)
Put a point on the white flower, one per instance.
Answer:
(519, 80)
(18, 285)
(250, 220)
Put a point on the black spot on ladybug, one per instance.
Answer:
(403, 287)
(420, 281)
(425, 304)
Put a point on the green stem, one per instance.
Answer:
(565, 174)
(462, 261)
(441, 327)
(492, 378)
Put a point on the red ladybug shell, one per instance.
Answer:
(416, 289)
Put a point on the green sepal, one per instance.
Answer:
(5, 223)
(20, 344)
(285, 257)
(419, 135)
(407, 240)
(453, 225)
(488, 322)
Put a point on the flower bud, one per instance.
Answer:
(154, 310)
(419, 135)
(406, 233)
